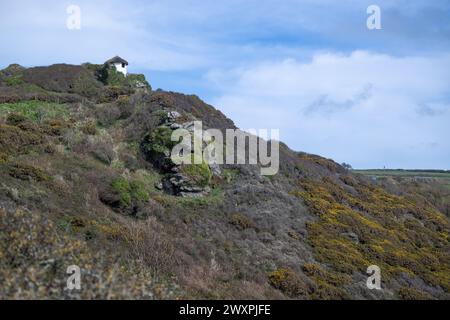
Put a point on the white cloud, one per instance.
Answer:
(364, 108)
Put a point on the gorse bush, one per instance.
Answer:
(241, 221)
(27, 172)
(289, 282)
(383, 236)
(15, 140)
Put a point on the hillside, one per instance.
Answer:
(84, 180)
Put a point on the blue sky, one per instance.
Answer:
(311, 68)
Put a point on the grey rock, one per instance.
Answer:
(175, 126)
(215, 170)
(173, 115)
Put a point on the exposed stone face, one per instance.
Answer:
(179, 179)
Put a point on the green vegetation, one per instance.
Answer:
(122, 188)
(114, 77)
(199, 174)
(36, 111)
(15, 80)
(215, 198)
(138, 191)
(405, 173)
(230, 175)
(12, 75)
(137, 81)
(159, 141)
(108, 75)
(130, 192)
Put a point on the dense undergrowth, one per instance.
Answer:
(360, 225)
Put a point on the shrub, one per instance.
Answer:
(199, 174)
(324, 291)
(313, 270)
(3, 158)
(159, 141)
(114, 78)
(35, 257)
(123, 101)
(121, 186)
(241, 221)
(89, 128)
(125, 105)
(289, 282)
(148, 245)
(26, 172)
(327, 285)
(14, 119)
(157, 147)
(111, 93)
(138, 191)
(14, 140)
(130, 196)
(104, 153)
(230, 174)
(407, 293)
(100, 146)
(107, 114)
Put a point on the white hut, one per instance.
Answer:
(119, 63)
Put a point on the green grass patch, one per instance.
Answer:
(36, 111)
(148, 178)
(15, 80)
(214, 198)
(405, 173)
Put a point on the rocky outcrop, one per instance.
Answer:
(184, 180)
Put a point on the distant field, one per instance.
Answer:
(405, 173)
